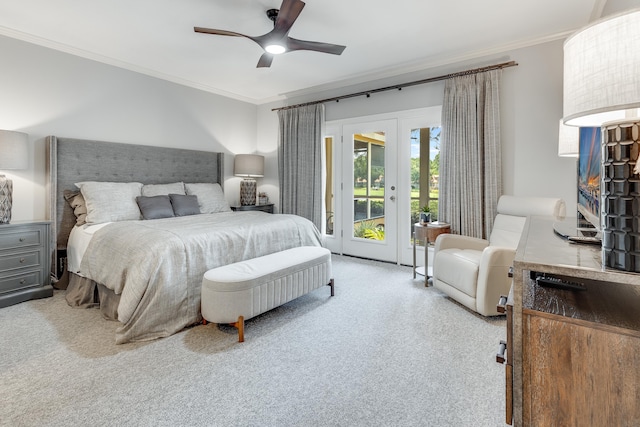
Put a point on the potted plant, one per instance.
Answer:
(425, 215)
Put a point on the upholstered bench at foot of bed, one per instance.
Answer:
(237, 292)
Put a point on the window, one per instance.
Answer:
(425, 164)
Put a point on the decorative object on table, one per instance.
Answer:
(14, 154)
(249, 166)
(425, 215)
(263, 199)
(602, 88)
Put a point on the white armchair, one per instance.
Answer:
(474, 271)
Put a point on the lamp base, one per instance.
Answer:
(6, 189)
(620, 184)
(248, 190)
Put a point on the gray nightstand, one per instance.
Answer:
(24, 262)
(268, 208)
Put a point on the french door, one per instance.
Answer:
(369, 193)
(370, 187)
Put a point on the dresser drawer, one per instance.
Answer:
(19, 281)
(12, 239)
(19, 260)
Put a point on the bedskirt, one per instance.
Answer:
(85, 293)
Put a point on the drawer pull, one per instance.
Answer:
(21, 239)
(501, 352)
(510, 273)
(23, 281)
(22, 260)
(502, 304)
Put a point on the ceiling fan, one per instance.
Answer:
(277, 40)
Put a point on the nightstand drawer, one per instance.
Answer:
(19, 260)
(19, 281)
(20, 239)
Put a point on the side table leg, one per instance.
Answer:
(426, 260)
(414, 254)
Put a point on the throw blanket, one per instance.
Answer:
(157, 266)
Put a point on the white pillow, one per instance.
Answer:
(210, 197)
(110, 201)
(150, 190)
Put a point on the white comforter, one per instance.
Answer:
(157, 266)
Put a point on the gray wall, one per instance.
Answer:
(46, 92)
(531, 105)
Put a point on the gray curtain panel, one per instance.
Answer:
(300, 162)
(470, 153)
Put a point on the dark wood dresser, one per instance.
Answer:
(573, 354)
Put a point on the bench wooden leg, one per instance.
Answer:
(332, 287)
(204, 321)
(240, 325)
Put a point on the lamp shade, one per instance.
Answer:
(249, 165)
(568, 140)
(14, 150)
(601, 71)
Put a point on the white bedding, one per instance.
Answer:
(156, 267)
(79, 239)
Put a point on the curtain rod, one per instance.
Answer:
(400, 86)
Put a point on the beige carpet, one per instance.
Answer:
(385, 351)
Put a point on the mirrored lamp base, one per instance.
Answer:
(620, 201)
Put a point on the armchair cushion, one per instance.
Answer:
(460, 266)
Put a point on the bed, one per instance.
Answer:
(147, 273)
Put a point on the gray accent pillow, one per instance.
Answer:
(155, 207)
(162, 189)
(184, 205)
(210, 197)
(110, 201)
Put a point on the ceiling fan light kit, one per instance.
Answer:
(277, 41)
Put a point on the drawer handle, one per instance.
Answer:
(21, 239)
(23, 281)
(501, 351)
(502, 304)
(510, 273)
(22, 260)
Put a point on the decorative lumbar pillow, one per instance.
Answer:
(210, 197)
(110, 201)
(184, 205)
(155, 207)
(162, 189)
(79, 206)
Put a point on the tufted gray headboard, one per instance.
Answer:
(74, 160)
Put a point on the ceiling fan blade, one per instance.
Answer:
(218, 32)
(295, 44)
(289, 12)
(265, 60)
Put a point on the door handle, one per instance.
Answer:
(392, 198)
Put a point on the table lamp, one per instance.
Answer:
(249, 166)
(602, 88)
(14, 154)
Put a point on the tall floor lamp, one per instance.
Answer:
(249, 166)
(602, 88)
(14, 154)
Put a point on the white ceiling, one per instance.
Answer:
(383, 38)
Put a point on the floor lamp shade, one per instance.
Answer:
(602, 88)
(14, 154)
(249, 166)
